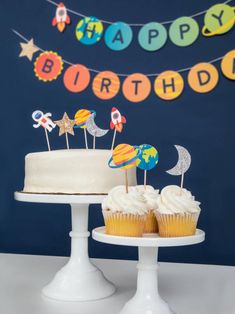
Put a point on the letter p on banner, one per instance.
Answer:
(203, 77)
(48, 66)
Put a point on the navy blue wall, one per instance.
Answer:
(202, 123)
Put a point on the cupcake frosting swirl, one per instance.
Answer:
(150, 194)
(174, 200)
(132, 202)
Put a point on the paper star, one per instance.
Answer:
(28, 49)
(65, 125)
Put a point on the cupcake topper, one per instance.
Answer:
(183, 164)
(80, 119)
(94, 130)
(147, 160)
(43, 120)
(116, 123)
(124, 156)
(66, 126)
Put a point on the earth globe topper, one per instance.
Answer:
(148, 158)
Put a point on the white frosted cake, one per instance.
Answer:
(73, 171)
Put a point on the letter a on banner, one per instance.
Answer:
(76, 78)
(48, 66)
(118, 36)
(203, 77)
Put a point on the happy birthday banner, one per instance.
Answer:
(202, 77)
(183, 31)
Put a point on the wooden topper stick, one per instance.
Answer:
(85, 136)
(114, 136)
(47, 138)
(94, 142)
(126, 179)
(145, 179)
(67, 140)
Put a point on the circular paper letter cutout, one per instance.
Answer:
(184, 31)
(169, 85)
(48, 66)
(76, 78)
(89, 30)
(203, 77)
(136, 87)
(106, 85)
(228, 65)
(118, 36)
(152, 36)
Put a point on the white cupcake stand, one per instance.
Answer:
(147, 299)
(79, 279)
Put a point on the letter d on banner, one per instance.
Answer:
(203, 77)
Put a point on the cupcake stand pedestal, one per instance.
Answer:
(147, 299)
(79, 279)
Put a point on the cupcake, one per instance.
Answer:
(177, 213)
(124, 213)
(151, 196)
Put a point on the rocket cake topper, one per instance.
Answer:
(116, 123)
(183, 164)
(43, 120)
(61, 17)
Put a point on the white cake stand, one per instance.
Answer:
(79, 279)
(147, 299)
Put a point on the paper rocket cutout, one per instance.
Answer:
(117, 120)
(43, 120)
(93, 129)
(61, 18)
(28, 49)
(184, 162)
(65, 125)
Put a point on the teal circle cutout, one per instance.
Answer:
(184, 31)
(89, 30)
(152, 36)
(118, 36)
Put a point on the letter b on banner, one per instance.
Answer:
(203, 77)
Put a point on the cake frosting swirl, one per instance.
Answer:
(150, 194)
(132, 202)
(174, 200)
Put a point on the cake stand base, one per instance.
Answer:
(79, 279)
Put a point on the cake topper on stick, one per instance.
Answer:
(66, 126)
(81, 117)
(124, 156)
(94, 130)
(147, 160)
(183, 164)
(43, 120)
(116, 123)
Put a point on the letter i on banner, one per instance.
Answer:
(228, 65)
(76, 78)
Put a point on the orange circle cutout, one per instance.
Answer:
(48, 66)
(106, 85)
(203, 77)
(228, 65)
(169, 85)
(76, 78)
(136, 87)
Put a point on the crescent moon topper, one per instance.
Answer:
(93, 129)
(184, 162)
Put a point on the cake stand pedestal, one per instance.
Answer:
(147, 299)
(79, 279)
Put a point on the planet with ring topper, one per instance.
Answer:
(81, 117)
(219, 19)
(89, 30)
(148, 158)
(124, 156)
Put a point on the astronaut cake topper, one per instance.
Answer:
(44, 121)
(116, 123)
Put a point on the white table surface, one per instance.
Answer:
(189, 289)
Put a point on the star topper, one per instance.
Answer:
(28, 49)
(66, 126)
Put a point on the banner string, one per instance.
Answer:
(118, 74)
(131, 24)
